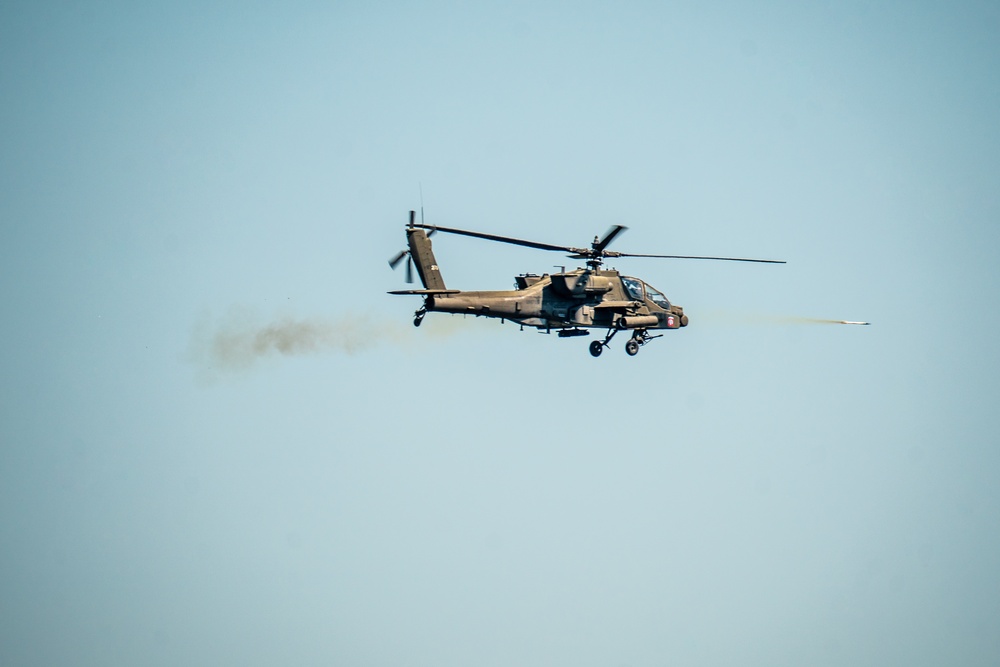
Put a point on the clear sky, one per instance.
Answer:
(754, 489)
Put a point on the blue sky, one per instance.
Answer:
(753, 489)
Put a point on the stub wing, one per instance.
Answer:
(425, 292)
(615, 305)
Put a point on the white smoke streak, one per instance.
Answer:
(765, 319)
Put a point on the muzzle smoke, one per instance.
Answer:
(240, 340)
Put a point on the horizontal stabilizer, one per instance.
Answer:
(426, 292)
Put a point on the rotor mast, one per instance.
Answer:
(595, 256)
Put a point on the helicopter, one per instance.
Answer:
(569, 302)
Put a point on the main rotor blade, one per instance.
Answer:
(394, 262)
(502, 239)
(609, 237)
(721, 259)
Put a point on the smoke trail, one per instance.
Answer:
(720, 317)
(796, 319)
(238, 346)
(240, 340)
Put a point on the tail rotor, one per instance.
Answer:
(419, 256)
(405, 254)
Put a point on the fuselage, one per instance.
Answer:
(576, 299)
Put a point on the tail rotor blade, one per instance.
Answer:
(396, 259)
(409, 269)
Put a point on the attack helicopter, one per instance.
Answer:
(569, 302)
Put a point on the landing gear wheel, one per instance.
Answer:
(417, 321)
(632, 347)
(596, 347)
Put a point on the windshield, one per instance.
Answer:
(633, 287)
(657, 298)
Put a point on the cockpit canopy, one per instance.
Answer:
(638, 290)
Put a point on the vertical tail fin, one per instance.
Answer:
(423, 257)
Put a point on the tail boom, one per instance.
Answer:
(423, 257)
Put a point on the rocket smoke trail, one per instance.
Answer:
(813, 320)
(764, 318)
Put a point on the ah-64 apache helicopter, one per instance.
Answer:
(570, 302)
